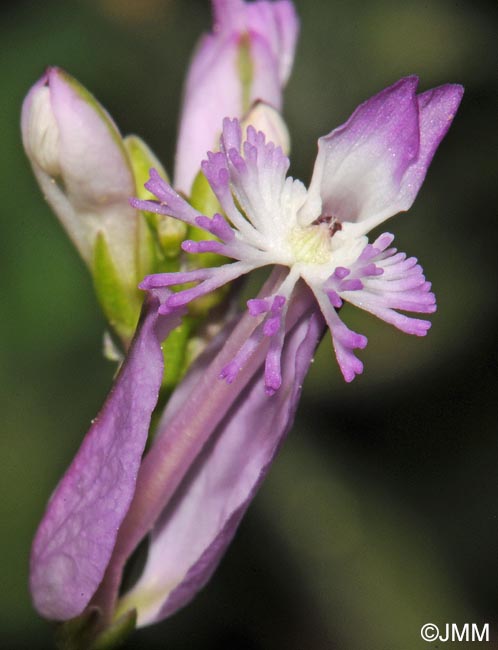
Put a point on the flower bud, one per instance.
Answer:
(247, 57)
(267, 119)
(84, 171)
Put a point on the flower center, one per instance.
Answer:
(311, 245)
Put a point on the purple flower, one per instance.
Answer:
(247, 58)
(110, 498)
(366, 170)
(240, 429)
(217, 438)
(214, 445)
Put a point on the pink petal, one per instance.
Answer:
(437, 108)
(195, 529)
(373, 166)
(360, 164)
(76, 537)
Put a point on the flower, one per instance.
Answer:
(217, 439)
(366, 170)
(247, 58)
(238, 429)
(113, 494)
(211, 434)
(85, 172)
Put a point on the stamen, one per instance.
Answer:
(333, 223)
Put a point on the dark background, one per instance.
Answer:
(381, 514)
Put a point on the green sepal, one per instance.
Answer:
(85, 632)
(142, 159)
(167, 231)
(204, 200)
(174, 351)
(117, 633)
(78, 633)
(146, 251)
(121, 306)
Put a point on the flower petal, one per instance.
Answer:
(277, 21)
(195, 529)
(76, 537)
(204, 106)
(360, 165)
(388, 282)
(372, 167)
(437, 108)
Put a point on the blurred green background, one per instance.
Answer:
(381, 513)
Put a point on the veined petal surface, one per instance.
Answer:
(77, 534)
(193, 532)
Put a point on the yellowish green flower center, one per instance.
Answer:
(311, 245)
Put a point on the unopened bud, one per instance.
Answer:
(83, 169)
(247, 58)
(267, 119)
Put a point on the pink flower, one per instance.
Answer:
(213, 447)
(366, 171)
(217, 439)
